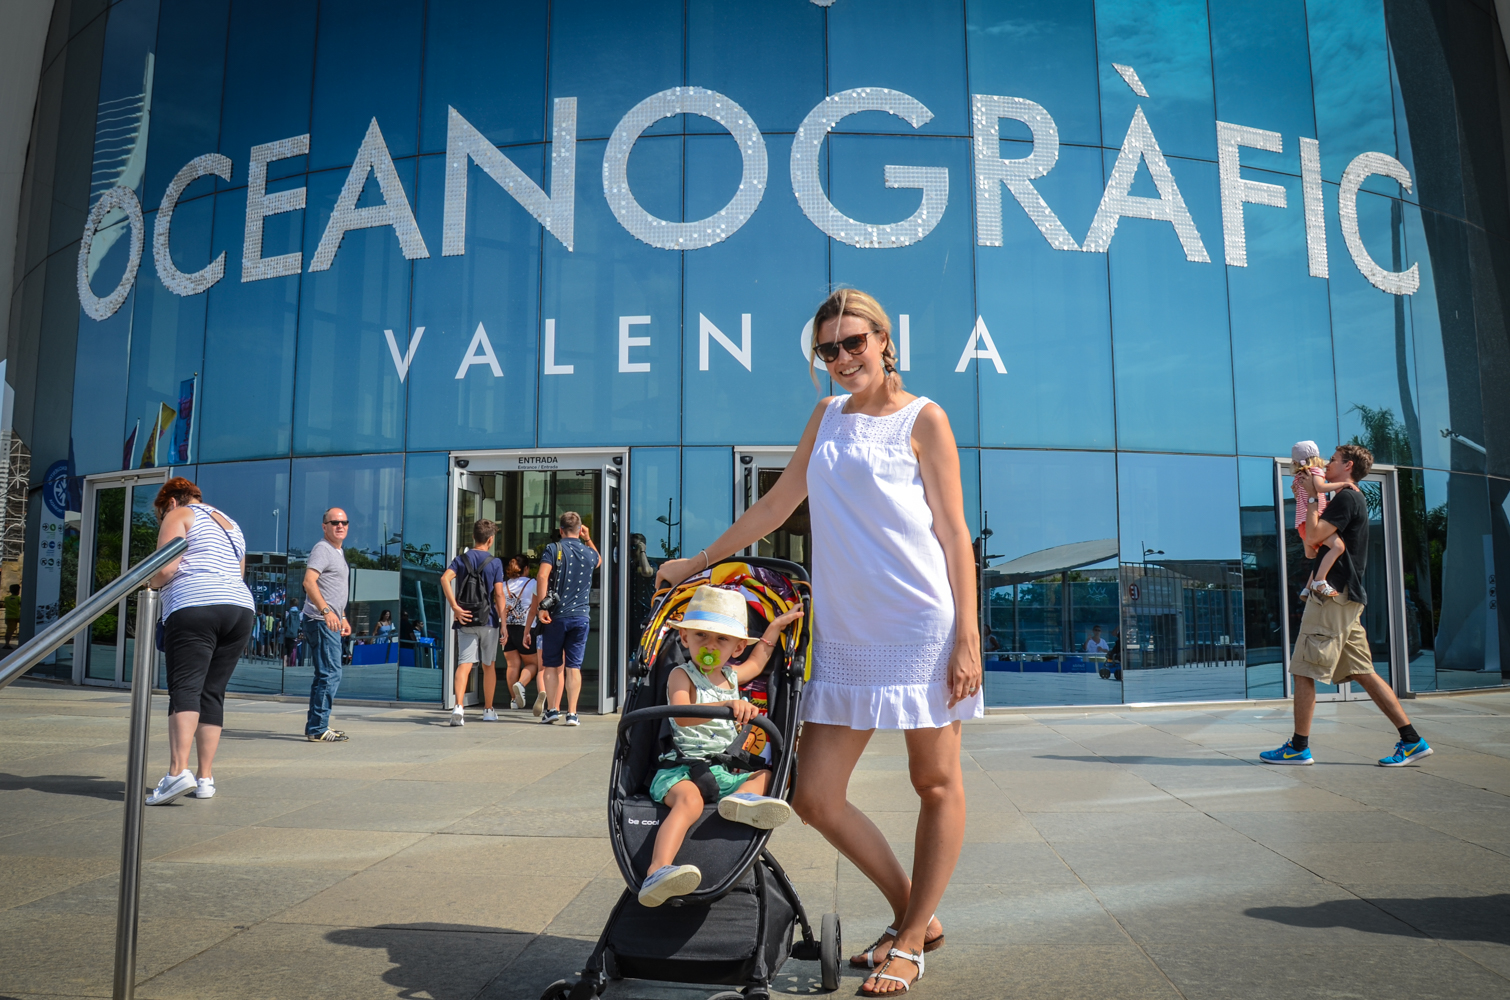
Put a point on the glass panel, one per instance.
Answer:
(474, 52)
(99, 392)
(1423, 528)
(918, 49)
(1288, 395)
(619, 54)
(1170, 326)
(593, 292)
(1467, 654)
(1168, 44)
(1261, 65)
(918, 280)
(424, 560)
(1051, 585)
(187, 76)
(495, 286)
(251, 328)
(366, 66)
(1043, 50)
(707, 496)
(124, 112)
(1182, 579)
(109, 525)
(1049, 313)
(1442, 316)
(143, 543)
(270, 40)
(1372, 341)
(347, 396)
(370, 489)
(167, 340)
(1350, 74)
(1262, 588)
(1376, 581)
(777, 248)
(793, 540)
(654, 526)
(255, 496)
(730, 44)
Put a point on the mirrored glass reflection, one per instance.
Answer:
(1263, 587)
(1050, 587)
(1182, 579)
(420, 657)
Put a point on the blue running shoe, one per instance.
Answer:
(1405, 753)
(1287, 754)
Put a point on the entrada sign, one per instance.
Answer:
(556, 211)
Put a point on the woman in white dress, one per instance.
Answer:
(896, 640)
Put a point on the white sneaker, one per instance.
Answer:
(488, 715)
(668, 881)
(760, 811)
(458, 716)
(171, 787)
(539, 703)
(204, 788)
(520, 698)
(514, 706)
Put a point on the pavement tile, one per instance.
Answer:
(445, 961)
(31, 943)
(345, 850)
(23, 879)
(551, 857)
(236, 894)
(509, 903)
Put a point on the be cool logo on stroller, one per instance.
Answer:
(738, 928)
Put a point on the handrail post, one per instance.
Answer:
(143, 667)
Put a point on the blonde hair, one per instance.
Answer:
(853, 302)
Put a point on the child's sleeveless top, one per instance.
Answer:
(1302, 498)
(713, 735)
(883, 608)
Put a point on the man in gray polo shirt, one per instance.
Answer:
(325, 588)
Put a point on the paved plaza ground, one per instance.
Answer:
(1120, 853)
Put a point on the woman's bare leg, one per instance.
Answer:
(933, 764)
(206, 740)
(826, 758)
(181, 726)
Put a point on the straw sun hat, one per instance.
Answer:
(713, 609)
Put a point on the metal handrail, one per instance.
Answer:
(144, 665)
(34, 650)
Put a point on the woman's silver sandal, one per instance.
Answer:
(916, 959)
(932, 944)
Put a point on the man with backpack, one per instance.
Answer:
(476, 608)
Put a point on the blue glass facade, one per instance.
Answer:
(1127, 400)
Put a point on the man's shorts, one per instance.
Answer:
(477, 644)
(1333, 645)
(728, 782)
(564, 639)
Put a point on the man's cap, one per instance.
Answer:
(713, 609)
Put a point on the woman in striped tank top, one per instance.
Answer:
(207, 619)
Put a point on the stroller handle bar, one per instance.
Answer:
(772, 731)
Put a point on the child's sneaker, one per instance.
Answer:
(520, 700)
(1405, 753)
(760, 811)
(669, 880)
(1287, 754)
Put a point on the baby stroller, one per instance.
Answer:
(737, 929)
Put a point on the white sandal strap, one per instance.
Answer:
(917, 959)
(870, 962)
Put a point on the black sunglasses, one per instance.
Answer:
(339, 524)
(854, 345)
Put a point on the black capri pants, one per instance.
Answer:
(202, 644)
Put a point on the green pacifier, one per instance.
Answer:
(707, 657)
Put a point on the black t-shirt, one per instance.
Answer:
(575, 563)
(1348, 513)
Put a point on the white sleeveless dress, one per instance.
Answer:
(883, 610)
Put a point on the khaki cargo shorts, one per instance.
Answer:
(1333, 645)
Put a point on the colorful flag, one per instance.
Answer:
(159, 419)
(165, 415)
(187, 389)
(129, 452)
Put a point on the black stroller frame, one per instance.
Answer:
(737, 929)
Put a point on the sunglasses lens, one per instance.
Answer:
(855, 344)
(828, 352)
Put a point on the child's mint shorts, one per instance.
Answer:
(668, 776)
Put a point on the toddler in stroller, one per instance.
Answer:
(713, 630)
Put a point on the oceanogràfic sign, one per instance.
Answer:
(555, 211)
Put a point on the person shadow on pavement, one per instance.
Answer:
(1449, 918)
(462, 962)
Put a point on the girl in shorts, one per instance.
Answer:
(521, 646)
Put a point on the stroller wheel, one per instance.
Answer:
(559, 990)
(830, 947)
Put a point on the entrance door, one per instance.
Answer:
(525, 494)
(119, 529)
(756, 471)
(1384, 615)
